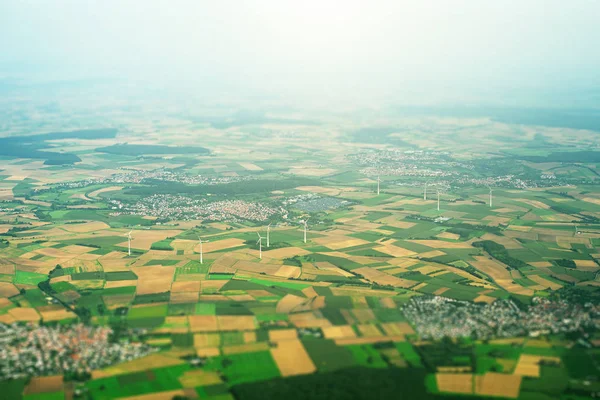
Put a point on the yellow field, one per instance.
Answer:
(340, 331)
(495, 384)
(282, 334)
(292, 359)
(454, 383)
(500, 275)
(529, 365)
(544, 282)
(154, 279)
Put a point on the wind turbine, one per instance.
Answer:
(129, 242)
(260, 238)
(378, 180)
(268, 230)
(305, 227)
(438, 194)
(200, 240)
(490, 196)
(577, 230)
(425, 192)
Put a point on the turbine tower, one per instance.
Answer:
(577, 230)
(438, 194)
(425, 192)
(201, 253)
(491, 197)
(305, 227)
(260, 238)
(378, 181)
(129, 242)
(268, 231)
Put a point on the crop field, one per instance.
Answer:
(258, 304)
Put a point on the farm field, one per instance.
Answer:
(235, 269)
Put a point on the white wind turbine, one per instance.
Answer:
(378, 181)
(129, 242)
(425, 192)
(490, 196)
(260, 238)
(201, 253)
(438, 203)
(268, 231)
(305, 223)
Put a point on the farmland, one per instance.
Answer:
(468, 295)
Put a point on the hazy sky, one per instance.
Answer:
(286, 47)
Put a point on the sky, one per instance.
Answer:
(385, 49)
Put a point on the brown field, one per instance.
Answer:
(8, 289)
(500, 275)
(507, 242)
(339, 242)
(544, 282)
(203, 323)
(212, 285)
(96, 193)
(309, 320)
(184, 297)
(448, 235)
(292, 359)
(236, 322)
(277, 335)
(57, 315)
(363, 314)
(586, 263)
(495, 384)
(190, 286)
(454, 383)
(288, 271)
(44, 384)
(387, 302)
(394, 251)
(24, 314)
(285, 252)
(143, 239)
(154, 279)
(338, 332)
(117, 284)
(382, 278)
(440, 244)
(258, 267)
(289, 302)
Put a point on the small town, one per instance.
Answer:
(184, 208)
(33, 350)
(438, 317)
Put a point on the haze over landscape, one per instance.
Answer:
(242, 200)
